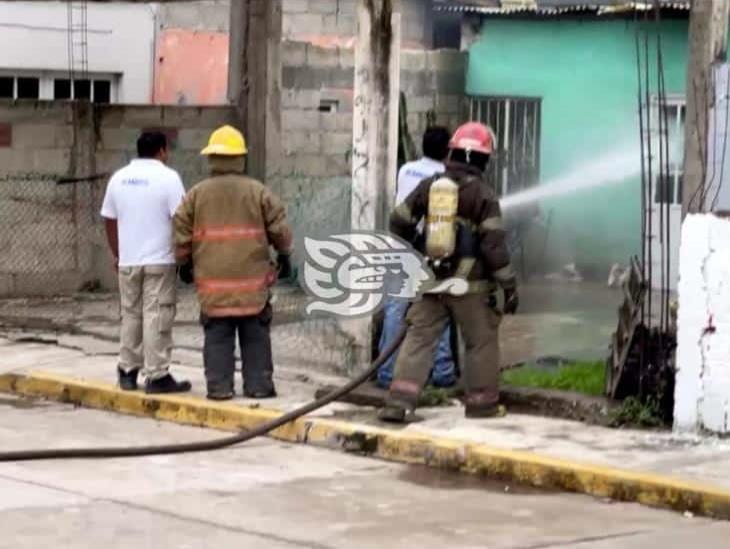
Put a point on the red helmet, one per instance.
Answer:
(473, 137)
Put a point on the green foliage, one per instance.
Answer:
(433, 397)
(581, 377)
(635, 413)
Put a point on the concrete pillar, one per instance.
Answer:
(375, 134)
(708, 30)
(702, 393)
(375, 116)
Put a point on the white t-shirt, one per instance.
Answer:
(143, 197)
(412, 173)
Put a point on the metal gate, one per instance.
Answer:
(516, 123)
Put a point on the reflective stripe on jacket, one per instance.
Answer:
(227, 223)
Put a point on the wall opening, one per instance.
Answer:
(516, 122)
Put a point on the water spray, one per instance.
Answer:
(605, 171)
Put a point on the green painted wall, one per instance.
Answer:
(585, 72)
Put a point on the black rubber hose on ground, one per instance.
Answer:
(208, 445)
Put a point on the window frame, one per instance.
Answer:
(46, 80)
(677, 102)
(503, 165)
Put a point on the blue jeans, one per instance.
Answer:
(443, 373)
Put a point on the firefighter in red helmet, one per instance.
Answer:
(463, 238)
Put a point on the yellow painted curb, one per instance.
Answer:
(507, 465)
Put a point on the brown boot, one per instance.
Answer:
(481, 411)
(392, 413)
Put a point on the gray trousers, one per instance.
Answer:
(220, 346)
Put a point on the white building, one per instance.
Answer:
(148, 52)
(119, 51)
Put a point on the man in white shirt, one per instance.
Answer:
(435, 149)
(138, 208)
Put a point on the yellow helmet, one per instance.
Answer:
(226, 141)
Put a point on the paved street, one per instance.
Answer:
(272, 495)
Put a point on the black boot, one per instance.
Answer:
(260, 394)
(220, 395)
(127, 380)
(221, 392)
(167, 384)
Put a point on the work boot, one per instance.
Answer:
(222, 391)
(392, 414)
(220, 395)
(166, 384)
(127, 380)
(485, 412)
(259, 394)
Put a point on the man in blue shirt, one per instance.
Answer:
(435, 149)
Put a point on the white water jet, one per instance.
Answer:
(609, 169)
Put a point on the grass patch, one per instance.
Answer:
(634, 413)
(432, 397)
(582, 377)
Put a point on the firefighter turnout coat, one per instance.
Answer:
(226, 224)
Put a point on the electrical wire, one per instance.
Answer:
(724, 145)
(644, 201)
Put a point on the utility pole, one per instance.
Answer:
(708, 33)
(375, 134)
(254, 81)
(375, 116)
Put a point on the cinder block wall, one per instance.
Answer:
(334, 22)
(51, 236)
(317, 96)
(187, 129)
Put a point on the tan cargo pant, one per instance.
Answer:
(148, 299)
(479, 324)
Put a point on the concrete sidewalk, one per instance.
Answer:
(657, 468)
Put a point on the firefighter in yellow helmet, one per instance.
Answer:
(224, 230)
(464, 238)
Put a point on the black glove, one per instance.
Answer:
(511, 301)
(186, 272)
(283, 266)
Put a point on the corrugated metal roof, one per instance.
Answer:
(554, 7)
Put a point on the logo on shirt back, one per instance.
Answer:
(417, 174)
(350, 275)
(135, 182)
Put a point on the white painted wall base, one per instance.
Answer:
(702, 395)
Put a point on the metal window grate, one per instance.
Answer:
(516, 122)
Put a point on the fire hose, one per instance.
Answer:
(209, 445)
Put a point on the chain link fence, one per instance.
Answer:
(56, 275)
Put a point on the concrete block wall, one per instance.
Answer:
(702, 394)
(315, 171)
(318, 143)
(39, 220)
(334, 22)
(187, 129)
(434, 84)
(51, 236)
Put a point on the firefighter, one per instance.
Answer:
(225, 227)
(464, 238)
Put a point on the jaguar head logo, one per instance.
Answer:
(350, 275)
